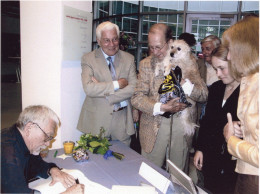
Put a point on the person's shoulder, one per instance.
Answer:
(200, 61)
(146, 61)
(89, 54)
(125, 54)
(216, 85)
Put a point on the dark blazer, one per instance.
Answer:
(211, 140)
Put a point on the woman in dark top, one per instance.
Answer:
(212, 157)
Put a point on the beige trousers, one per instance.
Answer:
(179, 148)
(116, 131)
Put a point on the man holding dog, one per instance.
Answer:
(154, 128)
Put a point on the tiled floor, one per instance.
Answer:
(11, 106)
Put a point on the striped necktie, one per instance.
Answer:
(111, 68)
(113, 75)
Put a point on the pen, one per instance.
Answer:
(77, 181)
(55, 154)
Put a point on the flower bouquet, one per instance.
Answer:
(97, 144)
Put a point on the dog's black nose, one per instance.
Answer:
(172, 54)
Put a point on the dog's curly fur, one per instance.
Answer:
(179, 54)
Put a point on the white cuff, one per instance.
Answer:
(187, 87)
(116, 85)
(157, 109)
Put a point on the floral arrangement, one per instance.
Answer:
(126, 41)
(97, 144)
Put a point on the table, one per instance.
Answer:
(112, 171)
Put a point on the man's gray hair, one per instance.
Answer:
(39, 114)
(212, 38)
(106, 26)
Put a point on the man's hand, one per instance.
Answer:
(173, 106)
(76, 188)
(94, 80)
(58, 176)
(122, 83)
(229, 128)
(198, 160)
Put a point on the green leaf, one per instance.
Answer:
(102, 150)
(94, 144)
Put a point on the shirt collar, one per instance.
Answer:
(106, 56)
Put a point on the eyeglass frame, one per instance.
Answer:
(158, 49)
(107, 41)
(49, 138)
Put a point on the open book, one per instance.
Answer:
(42, 185)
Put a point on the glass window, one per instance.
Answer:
(213, 6)
(117, 7)
(249, 6)
(102, 9)
(164, 6)
(126, 25)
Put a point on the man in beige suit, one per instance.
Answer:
(154, 128)
(108, 78)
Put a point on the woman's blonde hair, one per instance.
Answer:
(220, 52)
(242, 40)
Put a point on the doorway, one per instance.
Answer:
(202, 25)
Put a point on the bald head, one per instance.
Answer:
(161, 29)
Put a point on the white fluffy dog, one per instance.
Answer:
(179, 54)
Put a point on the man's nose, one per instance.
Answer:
(47, 143)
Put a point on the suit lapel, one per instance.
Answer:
(117, 62)
(102, 63)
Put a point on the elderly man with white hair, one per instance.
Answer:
(108, 79)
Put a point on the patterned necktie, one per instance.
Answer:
(113, 75)
(111, 68)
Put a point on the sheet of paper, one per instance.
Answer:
(118, 189)
(154, 177)
(42, 185)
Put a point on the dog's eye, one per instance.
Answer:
(178, 48)
(172, 47)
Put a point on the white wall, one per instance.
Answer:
(45, 78)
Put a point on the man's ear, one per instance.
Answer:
(98, 41)
(27, 129)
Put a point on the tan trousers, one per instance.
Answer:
(116, 131)
(179, 148)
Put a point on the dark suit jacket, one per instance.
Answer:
(100, 98)
(211, 140)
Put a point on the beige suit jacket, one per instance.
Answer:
(145, 97)
(247, 150)
(97, 109)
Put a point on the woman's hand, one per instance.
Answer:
(229, 128)
(198, 160)
(237, 129)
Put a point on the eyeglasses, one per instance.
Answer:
(107, 41)
(157, 48)
(49, 138)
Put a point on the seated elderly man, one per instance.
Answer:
(20, 148)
